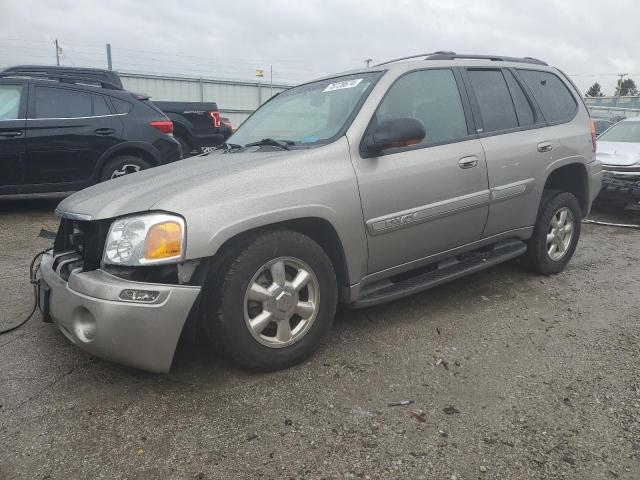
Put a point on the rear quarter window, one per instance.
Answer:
(555, 100)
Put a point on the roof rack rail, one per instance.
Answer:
(414, 56)
(96, 74)
(493, 58)
(445, 55)
(73, 79)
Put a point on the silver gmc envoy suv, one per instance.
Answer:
(361, 188)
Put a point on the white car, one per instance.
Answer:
(618, 149)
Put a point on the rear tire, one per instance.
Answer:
(255, 314)
(556, 233)
(120, 166)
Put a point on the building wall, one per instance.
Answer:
(236, 99)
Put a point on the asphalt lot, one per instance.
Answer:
(539, 380)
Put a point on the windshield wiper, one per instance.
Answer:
(270, 141)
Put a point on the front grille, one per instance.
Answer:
(80, 243)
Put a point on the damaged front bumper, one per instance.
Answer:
(618, 184)
(90, 311)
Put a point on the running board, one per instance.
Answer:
(442, 272)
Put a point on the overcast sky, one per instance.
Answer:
(303, 39)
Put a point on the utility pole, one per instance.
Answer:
(271, 81)
(57, 52)
(621, 75)
(109, 64)
(368, 61)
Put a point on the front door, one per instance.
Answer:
(427, 198)
(12, 133)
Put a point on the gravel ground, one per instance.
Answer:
(538, 379)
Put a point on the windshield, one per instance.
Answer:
(313, 113)
(628, 132)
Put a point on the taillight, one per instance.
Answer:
(165, 126)
(592, 128)
(215, 116)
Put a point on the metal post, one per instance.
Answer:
(57, 52)
(109, 64)
(368, 61)
(201, 89)
(621, 75)
(271, 81)
(259, 93)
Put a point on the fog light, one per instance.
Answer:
(143, 296)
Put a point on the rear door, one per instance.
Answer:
(67, 131)
(423, 199)
(516, 144)
(13, 107)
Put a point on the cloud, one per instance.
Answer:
(305, 39)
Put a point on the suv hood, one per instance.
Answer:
(145, 190)
(619, 154)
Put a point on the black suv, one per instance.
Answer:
(65, 130)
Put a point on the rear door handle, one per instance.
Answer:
(468, 162)
(105, 131)
(10, 134)
(545, 147)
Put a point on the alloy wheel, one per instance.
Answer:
(281, 302)
(560, 233)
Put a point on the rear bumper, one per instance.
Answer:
(207, 140)
(595, 175)
(89, 312)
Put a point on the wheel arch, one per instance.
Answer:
(573, 178)
(319, 229)
(137, 149)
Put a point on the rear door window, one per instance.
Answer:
(555, 100)
(494, 100)
(524, 110)
(53, 102)
(10, 96)
(100, 106)
(432, 97)
(121, 106)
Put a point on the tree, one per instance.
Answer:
(627, 88)
(595, 90)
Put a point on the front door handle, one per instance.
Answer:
(10, 134)
(468, 162)
(545, 147)
(105, 131)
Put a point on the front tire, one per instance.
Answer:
(556, 233)
(271, 301)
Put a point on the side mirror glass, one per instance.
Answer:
(396, 132)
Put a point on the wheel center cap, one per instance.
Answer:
(284, 300)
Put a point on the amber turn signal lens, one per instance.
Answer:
(164, 240)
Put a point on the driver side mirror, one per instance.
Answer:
(396, 132)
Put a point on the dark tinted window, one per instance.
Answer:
(494, 100)
(10, 101)
(121, 106)
(523, 107)
(432, 97)
(61, 103)
(100, 106)
(553, 96)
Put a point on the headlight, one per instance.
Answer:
(145, 240)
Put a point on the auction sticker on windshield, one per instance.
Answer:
(340, 85)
